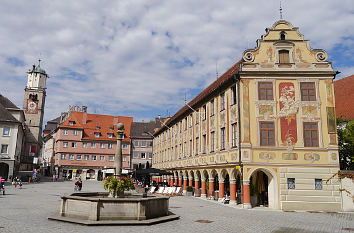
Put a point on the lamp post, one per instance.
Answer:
(118, 155)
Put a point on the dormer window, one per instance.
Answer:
(71, 122)
(97, 135)
(110, 135)
(282, 36)
(284, 56)
(98, 127)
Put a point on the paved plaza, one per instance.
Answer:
(27, 210)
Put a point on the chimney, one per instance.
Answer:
(84, 108)
(84, 117)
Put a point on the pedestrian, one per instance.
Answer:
(20, 184)
(78, 184)
(53, 178)
(56, 177)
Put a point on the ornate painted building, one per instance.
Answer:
(263, 133)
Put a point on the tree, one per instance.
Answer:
(345, 132)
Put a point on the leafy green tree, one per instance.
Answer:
(345, 132)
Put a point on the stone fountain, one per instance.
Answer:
(97, 208)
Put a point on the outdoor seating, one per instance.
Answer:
(178, 191)
(160, 190)
(152, 189)
(166, 190)
(171, 191)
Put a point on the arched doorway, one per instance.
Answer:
(264, 188)
(100, 175)
(4, 170)
(90, 174)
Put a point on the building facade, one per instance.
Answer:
(85, 144)
(12, 137)
(142, 142)
(264, 132)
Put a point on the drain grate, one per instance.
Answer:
(175, 207)
(313, 212)
(204, 221)
(347, 229)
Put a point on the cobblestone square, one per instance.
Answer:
(27, 210)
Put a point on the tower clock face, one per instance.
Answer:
(32, 107)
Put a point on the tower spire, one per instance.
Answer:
(281, 11)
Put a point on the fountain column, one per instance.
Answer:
(118, 155)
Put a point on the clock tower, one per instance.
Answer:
(33, 105)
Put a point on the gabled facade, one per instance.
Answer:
(85, 144)
(264, 132)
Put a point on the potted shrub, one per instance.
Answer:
(117, 186)
(197, 192)
(189, 191)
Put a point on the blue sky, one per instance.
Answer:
(140, 58)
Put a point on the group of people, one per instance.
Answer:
(17, 182)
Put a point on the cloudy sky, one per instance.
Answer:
(140, 58)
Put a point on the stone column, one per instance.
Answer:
(184, 185)
(180, 181)
(203, 191)
(233, 192)
(211, 187)
(246, 194)
(190, 181)
(118, 155)
(221, 189)
(196, 183)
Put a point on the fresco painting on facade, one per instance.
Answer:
(284, 147)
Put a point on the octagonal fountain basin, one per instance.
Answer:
(96, 208)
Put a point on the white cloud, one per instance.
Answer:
(141, 56)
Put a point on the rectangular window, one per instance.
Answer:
(318, 184)
(63, 156)
(222, 101)
(102, 145)
(65, 132)
(185, 148)
(265, 91)
(110, 146)
(111, 158)
(71, 157)
(78, 157)
(310, 134)
(65, 144)
(93, 157)
(143, 155)
(124, 158)
(291, 183)
(101, 158)
(93, 145)
(73, 144)
(222, 139)
(149, 144)
(308, 92)
(196, 145)
(234, 97)
(212, 108)
(204, 144)
(150, 154)
(190, 147)
(143, 143)
(135, 155)
(75, 132)
(185, 123)
(136, 143)
(6, 131)
(125, 146)
(284, 56)
(212, 141)
(267, 133)
(86, 157)
(234, 134)
(204, 112)
(110, 135)
(197, 117)
(84, 145)
(191, 120)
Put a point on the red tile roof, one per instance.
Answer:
(95, 123)
(204, 94)
(344, 94)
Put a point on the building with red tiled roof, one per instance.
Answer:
(85, 144)
(344, 93)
